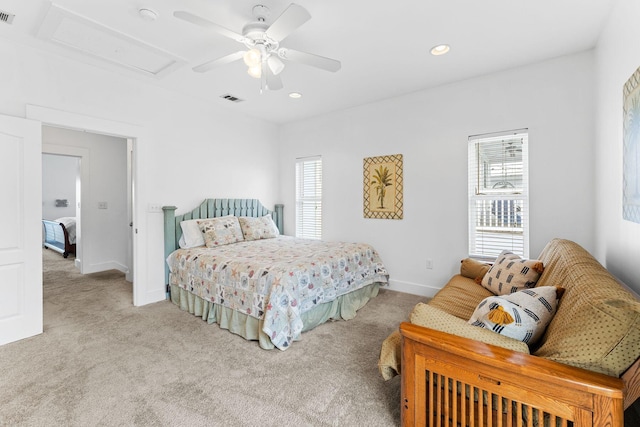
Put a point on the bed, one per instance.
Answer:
(269, 289)
(60, 235)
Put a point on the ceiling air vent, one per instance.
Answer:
(231, 98)
(6, 17)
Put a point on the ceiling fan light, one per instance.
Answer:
(275, 65)
(255, 71)
(252, 57)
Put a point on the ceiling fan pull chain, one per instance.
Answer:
(263, 74)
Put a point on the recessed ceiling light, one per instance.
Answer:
(295, 95)
(440, 49)
(147, 14)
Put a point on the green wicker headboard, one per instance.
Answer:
(212, 208)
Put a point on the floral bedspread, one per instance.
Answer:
(276, 279)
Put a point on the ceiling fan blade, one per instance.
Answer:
(205, 23)
(293, 17)
(218, 62)
(317, 61)
(274, 82)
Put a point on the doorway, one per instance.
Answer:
(102, 225)
(61, 200)
(131, 133)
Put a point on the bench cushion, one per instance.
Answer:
(460, 297)
(389, 363)
(431, 317)
(597, 325)
(473, 269)
(390, 360)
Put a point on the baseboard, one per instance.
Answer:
(104, 266)
(150, 297)
(412, 288)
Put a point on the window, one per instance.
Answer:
(309, 197)
(498, 194)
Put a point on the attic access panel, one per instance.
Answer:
(88, 37)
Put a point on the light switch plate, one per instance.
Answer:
(154, 208)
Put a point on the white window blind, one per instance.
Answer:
(498, 194)
(309, 197)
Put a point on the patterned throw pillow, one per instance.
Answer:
(220, 231)
(258, 228)
(523, 315)
(510, 273)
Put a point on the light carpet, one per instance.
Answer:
(101, 361)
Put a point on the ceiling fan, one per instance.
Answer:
(264, 54)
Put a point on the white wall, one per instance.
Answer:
(191, 149)
(617, 58)
(103, 237)
(59, 175)
(554, 100)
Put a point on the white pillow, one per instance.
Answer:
(522, 315)
(191, 237)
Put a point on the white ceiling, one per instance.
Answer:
(383, 46)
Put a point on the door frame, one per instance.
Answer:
(137, 134)
(83, 155)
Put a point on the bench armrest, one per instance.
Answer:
(457, 379)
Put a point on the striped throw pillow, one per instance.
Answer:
(510, 273)
(522, 315)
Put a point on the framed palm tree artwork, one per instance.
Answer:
(382, 192)
(631, 151)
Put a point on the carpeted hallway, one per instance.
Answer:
(101, 361)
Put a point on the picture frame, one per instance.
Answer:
(631, 149)
(383, 187)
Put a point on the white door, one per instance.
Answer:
(21, 229)
(130, 183)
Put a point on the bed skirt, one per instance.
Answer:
(250, 328)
